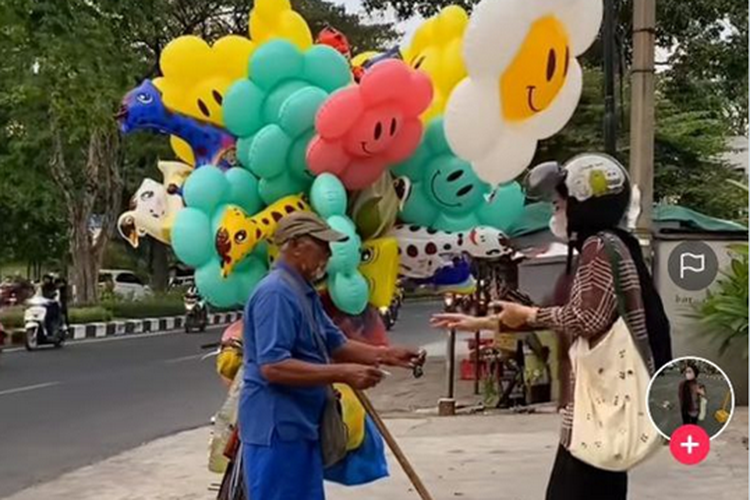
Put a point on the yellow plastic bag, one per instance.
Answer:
(722, 415)
(354, 416)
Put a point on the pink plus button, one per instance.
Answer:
(690, 444)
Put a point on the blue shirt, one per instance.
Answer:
(276, 329)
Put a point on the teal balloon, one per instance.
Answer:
(243, 150)
(241, 107)
(219, 291)
(297, 114)
(243, 190)
(206, 188)
(349, 292)
(272, 190)
(249, 276)
(191, 237)
(346, 255)
(298, 157)
(268, 151)
(275, 62)
(327, 68)
(328, 196)
(216, 217)
(278, 97)
(506, 207)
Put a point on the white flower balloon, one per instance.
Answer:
(524, 80)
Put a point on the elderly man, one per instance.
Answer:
(293, 353)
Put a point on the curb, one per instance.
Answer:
(133, 327)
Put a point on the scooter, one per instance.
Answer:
(44, 323)
(196, 314)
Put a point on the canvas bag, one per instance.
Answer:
(334, 435)
(611, 427)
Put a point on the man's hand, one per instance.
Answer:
(404, 357)
(360, 376)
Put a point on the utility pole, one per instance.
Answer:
(608, 52)
(642, 111)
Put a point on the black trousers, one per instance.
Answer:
(687, 419)
(575, 480)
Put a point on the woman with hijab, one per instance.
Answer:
(690, 393)
(590, 195)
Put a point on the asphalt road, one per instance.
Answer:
(64, 409)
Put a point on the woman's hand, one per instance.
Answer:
(457, 321)
(514, 315)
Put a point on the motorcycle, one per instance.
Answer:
(44, 323)
(3, 336)
(387, 316)
(196, 314)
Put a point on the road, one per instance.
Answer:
(64, 409)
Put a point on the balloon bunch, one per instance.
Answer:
(279, 121)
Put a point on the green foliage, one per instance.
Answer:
(155, 306)
(12, 317)
(725, 312)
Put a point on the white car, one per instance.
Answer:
(126, 283)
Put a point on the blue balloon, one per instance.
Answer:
(328, 196)
(219, 291)
(206, 188)
(191, 237)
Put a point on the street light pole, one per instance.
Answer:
(608, 49)
(642, 110)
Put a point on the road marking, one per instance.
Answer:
(183, 358)
(28, 388)
(113, 338)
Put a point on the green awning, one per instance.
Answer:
(673, 217)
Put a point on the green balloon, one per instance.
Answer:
(327, 68)
(242, 108)
(243, 190)
(268, 152)
(297, 114)
(206, 188)
(349, 292)
(328, 196)
(191, 237)
(275, 62)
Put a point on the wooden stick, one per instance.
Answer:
(393, 445)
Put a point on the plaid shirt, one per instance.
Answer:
(592, 310)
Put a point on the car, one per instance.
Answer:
(124, 283)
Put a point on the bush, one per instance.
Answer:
(12, 317)
(725, 312)
(80, 315)
(155, 306)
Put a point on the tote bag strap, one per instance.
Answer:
(306, 306)
(614, 262)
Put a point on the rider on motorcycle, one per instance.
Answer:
(54, 290)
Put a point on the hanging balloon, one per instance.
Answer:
(435, 50)
(367, 128)
(523, 83)
(447, 194)
(273, 112)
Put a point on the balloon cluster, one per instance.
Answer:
(274, 122)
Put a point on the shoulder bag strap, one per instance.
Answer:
(306, 306)
(614, 262)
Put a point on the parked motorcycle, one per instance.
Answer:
(44, 323)
(196, 312)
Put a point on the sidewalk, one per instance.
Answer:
(480, 457)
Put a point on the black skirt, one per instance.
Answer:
(575, 480)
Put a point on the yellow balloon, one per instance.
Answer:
(196, 76)
(360, 59)
(182, 149)
(275, 19)
(436, 50)
(380, 268)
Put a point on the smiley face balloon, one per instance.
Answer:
(523, 83)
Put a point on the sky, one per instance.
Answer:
(406, 27)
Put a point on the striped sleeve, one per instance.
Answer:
(593, 304)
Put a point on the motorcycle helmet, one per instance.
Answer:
(596, 188)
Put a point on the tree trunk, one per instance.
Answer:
(159, 265)
(101, 182)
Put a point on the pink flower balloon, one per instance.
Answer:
(364, 129)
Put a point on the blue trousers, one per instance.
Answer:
(285, 470)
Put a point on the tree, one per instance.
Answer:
(65, 67)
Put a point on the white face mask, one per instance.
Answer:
(689, 375)
(558, 225)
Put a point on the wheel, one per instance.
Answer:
(31, 341)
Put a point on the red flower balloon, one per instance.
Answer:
(364, 129)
